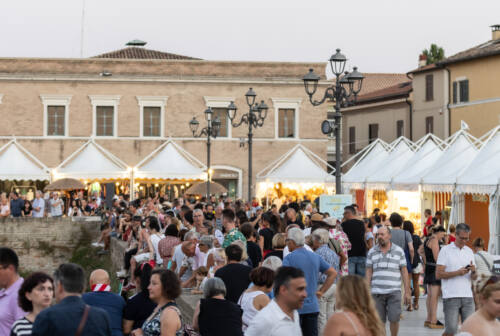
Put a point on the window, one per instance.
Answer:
(286, 123)
(104, 121)
(151, 126)
(352, 140)
(461, 91)
(429, 125)
(372, 132)
(429, 87)
(222, 114)
(400, 130)
(56, 116)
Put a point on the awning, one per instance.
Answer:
(482, 175)
(92, 162)
(170, 162)
(428, 152)
(401, 150)
(299, 165)
(375, 154)
(16, 163)
(442, 176)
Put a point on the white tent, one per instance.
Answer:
(428, 152)
(442, 176)
(299, 165)
(16, 163)
(401, 150)
(374, 155)
(170, 162)
(92, 162)
(482, 175)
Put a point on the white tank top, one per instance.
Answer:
(155, 239)
(249, 311)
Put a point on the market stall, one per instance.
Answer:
(169, 169)
(21, 171)
(299, 173)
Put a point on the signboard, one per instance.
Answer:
(334, 204)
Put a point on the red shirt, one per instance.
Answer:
(428, 223)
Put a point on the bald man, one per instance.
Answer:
(102, 297)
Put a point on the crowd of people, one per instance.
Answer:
(287, 271)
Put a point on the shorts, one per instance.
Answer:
(388, 306)
(140, 258)
(418, 269)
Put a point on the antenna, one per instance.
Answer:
(81, 34)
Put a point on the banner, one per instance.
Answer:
(334, 204)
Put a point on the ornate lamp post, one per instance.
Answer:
(342, 93)
(210, 131)
(254, 118)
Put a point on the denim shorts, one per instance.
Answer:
(388, 306)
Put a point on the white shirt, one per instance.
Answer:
(55, 210)
(454, 258)
(38, 203)
(287, 252)
(178, 258)
(155, 239)
(272, 321)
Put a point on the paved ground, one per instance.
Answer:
(413, 322)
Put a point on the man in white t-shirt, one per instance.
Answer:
(179, 258)
(456, 268)
(56, 205)
(280, 317)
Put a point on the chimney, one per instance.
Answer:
(136, 43)
(422, 60)
(495, 32)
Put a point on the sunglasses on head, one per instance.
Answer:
(492, 280)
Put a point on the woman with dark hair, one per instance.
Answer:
(165, 320)
(26, 211)
(35, 295)
(139, 306)
(416, 266)
(166, 245)
(266, 232)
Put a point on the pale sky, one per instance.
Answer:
(377, 36)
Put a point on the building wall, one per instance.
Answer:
(186, 83)
(482, 112)
(436, 108)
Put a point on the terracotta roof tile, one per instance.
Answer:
(399, 90)
(489, 48)
(378, 81)
(425, 68)
(142, 53)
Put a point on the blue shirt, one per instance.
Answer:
(330, 257)
(16, 205)
(312, 265)
(112, 303)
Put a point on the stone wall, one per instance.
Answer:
(44, 243)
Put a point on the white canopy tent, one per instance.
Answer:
(17, 163)
(170, 162)
(428, 152)
(92, 162)
(373, 156)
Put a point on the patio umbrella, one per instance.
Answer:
(201, 188)
(65, 184)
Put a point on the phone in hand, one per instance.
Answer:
(468, 267)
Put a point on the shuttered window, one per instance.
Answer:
(455, 92)
(464, 91)
(286, 123)
(151, 125)
(429, 125)
(104, 121)
(372, 132)
(352, 140)
(56, 122)
(400, 128)
(429, 87)
(222, 114)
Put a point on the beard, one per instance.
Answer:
(381, 242)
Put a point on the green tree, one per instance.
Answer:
(434, 54)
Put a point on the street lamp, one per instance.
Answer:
(342, 93)
(210, 131)
(254, 118)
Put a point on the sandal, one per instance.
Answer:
(409, 308)
(415, 304)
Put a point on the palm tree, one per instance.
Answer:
(434, 54)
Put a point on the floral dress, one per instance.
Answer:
(152, 326)
(345, 245)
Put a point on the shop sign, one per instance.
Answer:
(224, 174)
(334, 204)
(480, 198)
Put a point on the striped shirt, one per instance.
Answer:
(21, 327)
(386, 277)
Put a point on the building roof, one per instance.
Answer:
(400, 90)
(424, 68)
(378, 81)
(486, 49)
(143, 53)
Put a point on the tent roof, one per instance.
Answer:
(170, 162)
(92, 161)
(16, 163)
(428, 152)
(366, 165)
(441, 177)
(400, 152)
(299, 165)
(482, 175)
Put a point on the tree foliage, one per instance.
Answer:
(434, 54)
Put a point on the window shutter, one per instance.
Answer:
(400, 128)
(429, 87)
(464, 91)
(454, 92)
(372, 132)
(352, 140)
